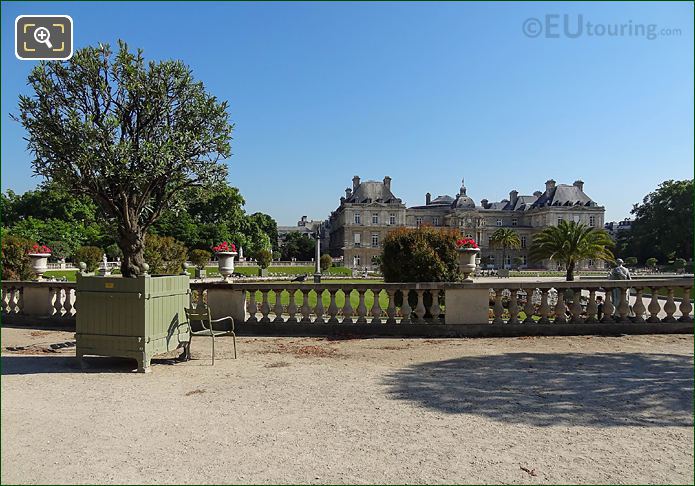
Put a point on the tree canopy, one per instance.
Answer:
(132, 135)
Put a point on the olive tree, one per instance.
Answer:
(130, 134)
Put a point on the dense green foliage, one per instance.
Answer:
(652, 262)
(129, 134)
(90, 255)
(164, 254)
(325, 262)
(424, 254)
(663, 224)
(15, 262)
(631, 261)
(298, 245)
(199, 258)
(570, 242)
(264, 257)
(505, 238)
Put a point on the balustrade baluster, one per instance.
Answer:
(14, 299)
(560, 316)
(420, 310)
(56, 301)
(669, 306)
(624, 305)
(544, 309)
(592, 307)
(435, 309)
(6, 294)
(277, 308)
(654, 306)
(406, 310)
(513, 308)
(73, 293)
(319, 307)
(332, 308)
(347, 307)
(391, 309)
(638, 307)
(361, 308)
(376, 307)
(67, 305)
(686, 307)
(529, 310)
(608, 307)
(498, 308)
(292, 306)
(252, 307)
(265, 305)
(306, 309)
(576, 307)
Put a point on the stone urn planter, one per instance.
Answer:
(39, 263)
(467, 265)
(225, 263)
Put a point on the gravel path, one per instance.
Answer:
(519, 410)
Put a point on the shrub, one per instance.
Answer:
(114, 251)
(59, 249)
(631, 261)
(264, 257)
(422, 254)
(200, 258)
(164, 254)
(652, 262)
(90, 255)
(326, 261)
(15, 262)
(679, 263)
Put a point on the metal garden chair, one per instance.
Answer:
(201, 315)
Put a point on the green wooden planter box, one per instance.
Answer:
(131, 317)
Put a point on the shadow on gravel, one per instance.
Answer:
(599, 390)
(32, 365)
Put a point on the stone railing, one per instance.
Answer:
(504, 307)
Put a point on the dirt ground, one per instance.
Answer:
(291, 410)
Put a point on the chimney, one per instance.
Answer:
(355, 182)
(513, 196)
(387, 183)
(538, 193)
(348, 193)
(549, 184)
(483, 203)
(579, 184)
(428, 198)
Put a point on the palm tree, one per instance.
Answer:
(505, 238)
(570, 242)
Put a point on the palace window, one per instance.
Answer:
(375, 240)
(559, 220)
(435, 221)
(358, 218)
(523, 242)
(356, 261)
(357, 239)
(514, 221)
(592, 221)
(418, 221)
(499, 222)
(392, 218)
(375, 218)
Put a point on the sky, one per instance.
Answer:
(427, 93)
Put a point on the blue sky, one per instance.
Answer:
(425, 93)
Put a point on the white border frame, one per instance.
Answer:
(72, 36)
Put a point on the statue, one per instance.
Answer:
(619, 272)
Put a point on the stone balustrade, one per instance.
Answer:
(504, 307)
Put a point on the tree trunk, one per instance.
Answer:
(132, 244)
(570, 271)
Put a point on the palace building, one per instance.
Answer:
(369, 210)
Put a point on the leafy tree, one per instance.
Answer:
(260, 223)
(505, 238)
(631, 261)
(133, 136)
(652, 262)
(90, 255)
(15, 262)
(73, 234)
(200, 258)
(517, 261)
(679, 263)
(570, 242)
(325, 262)
(164, 254)
(60, 249)
(663, 223)
(114, 252)
(264, 257)
(298, 245)
(423, 254)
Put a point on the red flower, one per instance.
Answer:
(224, 247)
(466, 243)
(40, 249)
